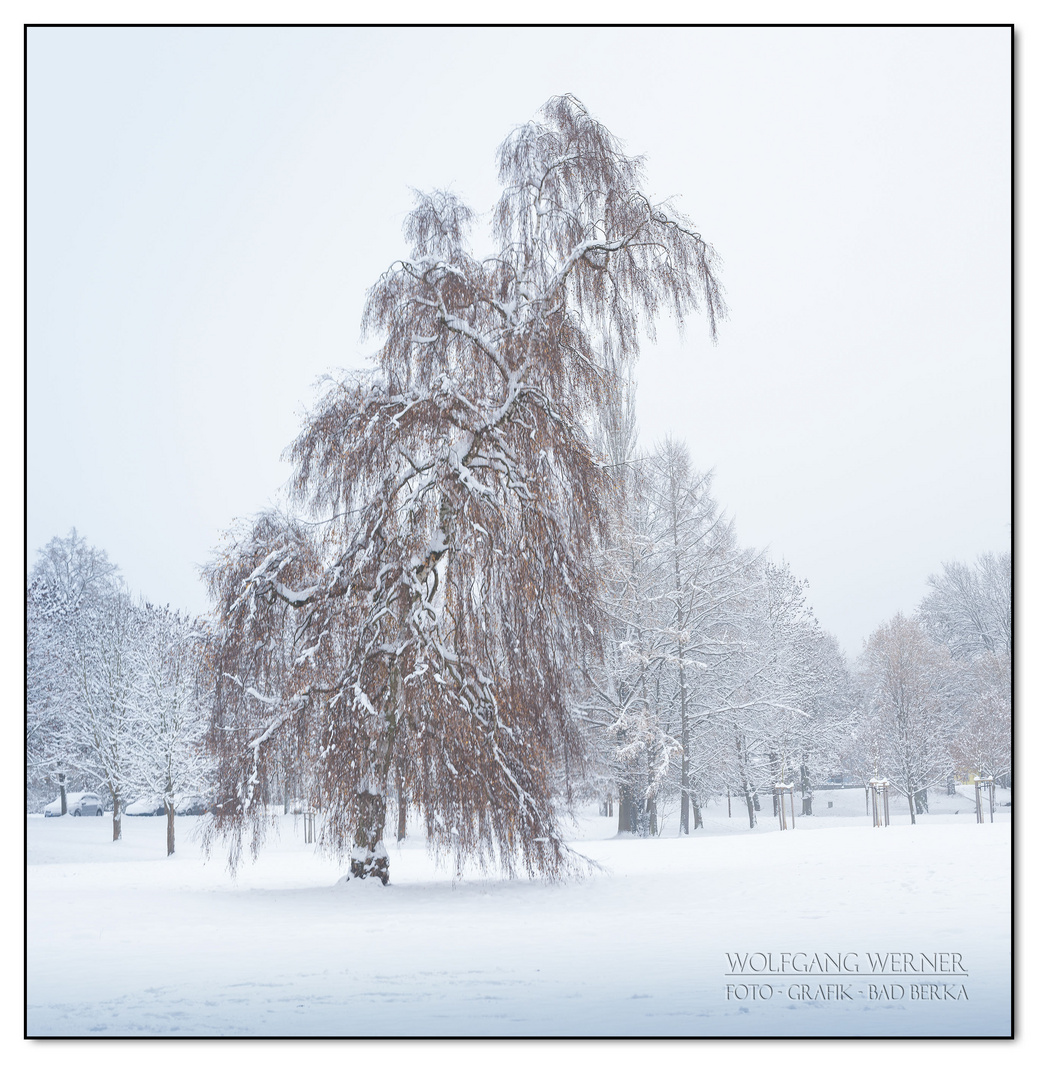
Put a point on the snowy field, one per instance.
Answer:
(125, 941)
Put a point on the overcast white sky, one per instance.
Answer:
(207, 208)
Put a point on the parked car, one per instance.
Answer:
(191, 805)
(78, 804)
(154, 806)
(843, 779)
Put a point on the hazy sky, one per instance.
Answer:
(208, 207)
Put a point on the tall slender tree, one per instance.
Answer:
(701, 573)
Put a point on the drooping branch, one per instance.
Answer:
(451, 588)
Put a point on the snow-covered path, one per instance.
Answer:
(123, 941)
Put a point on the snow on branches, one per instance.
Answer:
(425, 636)
(114, 687)
(715, 675)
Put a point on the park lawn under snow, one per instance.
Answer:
(125, 941)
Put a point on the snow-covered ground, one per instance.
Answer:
(125, 941)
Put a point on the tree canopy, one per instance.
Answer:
(424, 633)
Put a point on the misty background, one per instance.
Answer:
(207, 208)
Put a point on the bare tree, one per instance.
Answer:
(49, 758)
(74, 570)
(97, 694)
(432, 626)
(970, 609)
(982, 741)
(68, 578)
(827, 712)
(701, 572)
(799, 680)
(714, 667)
(905, 686)
(168, 699)
(614, 711)
(113, 688)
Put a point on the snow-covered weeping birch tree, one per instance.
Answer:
(426, 635)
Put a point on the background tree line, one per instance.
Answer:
(117, 690)
(716, 680)
(933, 694)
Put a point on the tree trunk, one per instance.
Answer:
(627, 814)
(117, 817)
(751, 800)
(806, 790)
(64, 797)
(686, 735)
(686, 739)
(921, 805)
(169, 828)
(650, 800)
(697, 814)
(401, 818)
(401, 807)
(369, 858)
